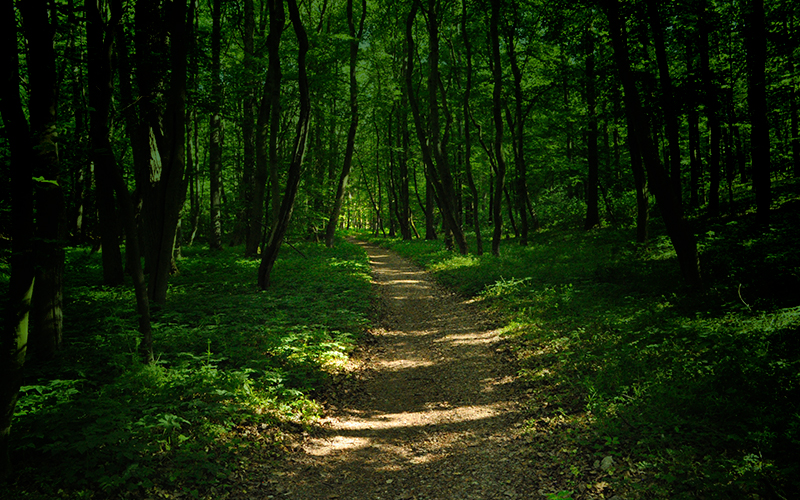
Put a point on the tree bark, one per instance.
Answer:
(45, 338)
(500, 173)
(267, 128)
(172, 189)
(517, 126)
(712, 108)
(693, 123)
(468, 136)
(593, 160)
(278, 231)
(669, 106)
(100, 49)
(14, 334)
(333, 220)
(756, 45)
(215, 129)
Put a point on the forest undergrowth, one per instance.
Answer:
(693, 393)
(238, 371)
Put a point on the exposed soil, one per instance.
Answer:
(431, 413)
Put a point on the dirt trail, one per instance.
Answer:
(433, 415)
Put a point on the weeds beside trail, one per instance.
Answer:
(694, 394)
(236, 370)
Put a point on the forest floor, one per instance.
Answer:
(428, 413)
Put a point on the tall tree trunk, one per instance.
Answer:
(497, 77)
(172, 189)
(14, 334)
(668, 105)
(215, 129)
(45, 338)
(756, 45)
(281, 224)
(678, 229)
(693, 122)
(712, 108)
(468, 136)
(403, 139)
(593, 180)
(430, 208)
(333, 220)
(517, 126)
(100, 85)
(267, 130)
(640, 184)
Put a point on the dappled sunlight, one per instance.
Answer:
(359, 432)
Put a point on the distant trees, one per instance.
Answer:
(472, 117)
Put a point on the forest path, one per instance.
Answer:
(432, 414)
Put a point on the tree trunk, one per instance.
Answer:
(403, 144)
(592, 200)
(172, 188)
(14, 334)
(669, 106)
(215, 129)
(281, 224)
(100, 86)
(45, 338)
(267, 129)
(333, 220)
(468, 137)
(677, 227)
(712, 112)
(756, 45)
(500, 174)
(517, 126)
(693, 123)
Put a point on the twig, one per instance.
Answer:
(742, 299)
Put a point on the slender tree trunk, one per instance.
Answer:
(640, 184)
(677, 227)
(712, 112)
(403, 145)
(100, 85)
(267, 130)
(173, 188)
(468, 136)
(756, 45)
(500, 174)
(45, 338)
(693, 123)
(592, 200)
(14, 333)
(281, 224)
(430, 208)
(333, 220)
(517, 127)
(669, 105)
(215, 128)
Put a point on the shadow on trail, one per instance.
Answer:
(435, 416)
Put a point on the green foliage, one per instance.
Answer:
(696, 391)
(237, 369)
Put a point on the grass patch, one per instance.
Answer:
(237, 371)
(692, 393)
